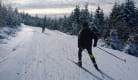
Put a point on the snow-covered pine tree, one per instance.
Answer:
(66, 24)
(112, 39)
(76, 20)
(85, 15)
(128, 13)
(3, 11)
(99, 19)
(122, 21)
(114, 16)
(136, 16)
(10, 17)
(91, 19)
(17, 17)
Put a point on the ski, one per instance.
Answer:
(83, 68)
(101, 73)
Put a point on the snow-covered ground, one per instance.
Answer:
(33, 55)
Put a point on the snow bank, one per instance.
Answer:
(7, 32)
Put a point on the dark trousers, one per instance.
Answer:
(43, 29)
(89, 52)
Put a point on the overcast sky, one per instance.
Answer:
(60, 7)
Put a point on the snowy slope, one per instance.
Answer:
(33, 55)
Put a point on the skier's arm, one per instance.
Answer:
(79, 35)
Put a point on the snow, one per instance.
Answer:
(7, 33)
(133, 49)
(33, 55)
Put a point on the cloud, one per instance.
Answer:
(41, 4)
(37, 6)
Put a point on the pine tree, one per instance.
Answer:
(17, 17)
(114, 16)
(128, 17)
(76, 20)
(99, 19)
(85, 15)
(128, 13)
(136, 16)
(76, 15)
(3, 11)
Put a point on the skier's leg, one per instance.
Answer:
(91, 55)
(42, 30)
(92, 58)
(80, 56)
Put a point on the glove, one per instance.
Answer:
(94, 45)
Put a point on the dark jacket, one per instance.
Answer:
(85, 38)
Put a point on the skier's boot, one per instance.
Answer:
(80, 64)
(96, 67)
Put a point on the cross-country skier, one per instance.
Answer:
(43, 27)
(85, 37)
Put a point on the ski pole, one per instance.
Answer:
(124, 60)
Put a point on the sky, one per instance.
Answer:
(55, 8)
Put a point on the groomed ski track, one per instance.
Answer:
(33, 55)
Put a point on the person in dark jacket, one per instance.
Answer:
(43, 27)
(85, 37)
